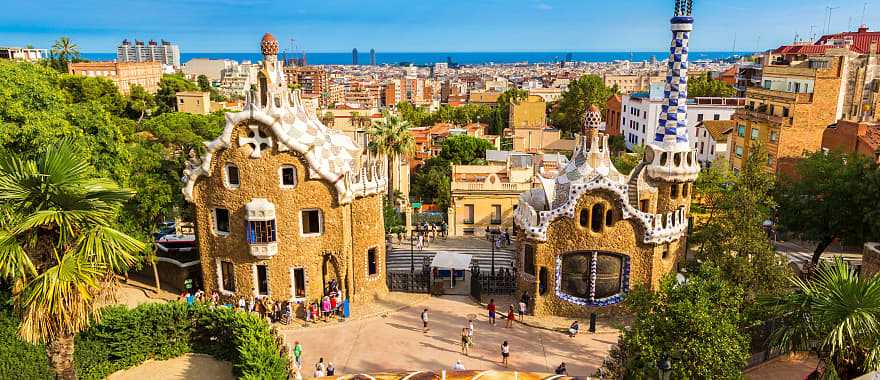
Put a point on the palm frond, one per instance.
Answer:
(59, 301)
(107, 246)
(14, 261)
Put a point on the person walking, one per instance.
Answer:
(297, 354)
(510, 317)
(561, 370)
(425, 321)
(319, 368)
(458, 366)
(241, 303)
(505, 353)
(325, 307)
(491, 308)
(331, 370)
(522, 310)
(573, 329)
(465, 342)
(471, 329)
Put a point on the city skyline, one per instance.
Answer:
(484, 26)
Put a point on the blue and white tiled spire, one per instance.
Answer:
(673, 113)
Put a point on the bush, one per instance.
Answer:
(125, 338)
(19, 359)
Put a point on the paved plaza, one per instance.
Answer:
(395, 342)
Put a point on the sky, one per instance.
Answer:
(423, 25)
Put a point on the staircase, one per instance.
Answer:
(633, 185)
(398, 259)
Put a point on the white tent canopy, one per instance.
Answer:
(448, 260)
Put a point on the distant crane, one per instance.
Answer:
(828, 11)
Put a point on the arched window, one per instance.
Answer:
(609, 218)
(596, 221)
(585, 217)
(588, 286)
(673, 190)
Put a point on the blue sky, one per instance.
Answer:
(422, 25)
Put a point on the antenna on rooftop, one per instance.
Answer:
(812, 33)
(864, 9)
(828, 10)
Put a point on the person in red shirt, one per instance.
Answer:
(491, 308)
(510, 317)
(333, 304)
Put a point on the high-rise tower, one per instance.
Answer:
(354, 56)
(372, 57)
(670, 156)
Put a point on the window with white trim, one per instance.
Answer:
(221, 221)
(312, 222)
(231, 178)
(287, 174)
(372, 262)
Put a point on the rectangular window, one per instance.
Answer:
(372, 264)
(496, 214)
(774, 136)
(739, 152)
(716, 117)
(468, 214)
(232, 178)
(288, 176)
(673, 191)
(741, 130)
(529, 259)
(298, 281)
(227, 276)
(262, 280)
(221, 220)
(784, 111)
(261, 231)
(755, 133)
(643, 205)
(311, 222)
(699, 117)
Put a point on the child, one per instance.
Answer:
(425, 321)
(325, 307)
(510, 317)
(491, 308)
(465, 341)
(505, 353)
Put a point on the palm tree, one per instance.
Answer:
(58, 249)
(65, 50)
(835, 314)
(393, 139)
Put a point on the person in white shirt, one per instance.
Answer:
(458, 366)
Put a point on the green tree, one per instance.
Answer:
(705, 86)
(696, 323)
(63, 51)
(733, 238)
(433, 179)
(626, 162)
(81, 89)
(569, 112)
(58, 247)
(836, 315)
(393, 139)
(501, 118)
(831, 198)
(204, 83)
(140, 103)
(169, 86)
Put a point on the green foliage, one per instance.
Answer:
(626, 162)
(836, 315)
(432, 180)
(501, 118)
(568, 114)
(140, 103)
(704, 86)
(696, 323)
(19, 359)
(497, 118)
(833, 197)
(393, 221)
(732, 236)
(169, 86)
(127, 337)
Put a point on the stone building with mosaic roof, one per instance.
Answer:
(283, 204)
(590, 234)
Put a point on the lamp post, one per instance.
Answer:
(412, 262)
(493, 252)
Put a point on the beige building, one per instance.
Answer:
(23, 53)
(198, 102)
(627, 83)
(285, 206)
(486, 196)
(530, 113)
(123, 74)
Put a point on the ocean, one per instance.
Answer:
(467, 58)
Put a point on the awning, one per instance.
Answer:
(450, 260)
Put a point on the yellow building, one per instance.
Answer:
(197, 102)
(788, 115)
(285, 206)
(530, 113)
(486, 196)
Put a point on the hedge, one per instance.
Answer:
(125, 338)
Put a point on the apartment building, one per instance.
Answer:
(418, 91)
(627, 83)
(23, 53)
(211, 68)
(163, 52)
(862, 137)
(313, 81)
(123, 74)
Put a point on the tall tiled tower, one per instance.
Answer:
(670, 156)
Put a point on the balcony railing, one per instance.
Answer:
(782, 96)
(483, 186)
(761, 117)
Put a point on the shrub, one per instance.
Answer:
(125, 338)
(19, 359)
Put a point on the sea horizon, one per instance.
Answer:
(428, 58)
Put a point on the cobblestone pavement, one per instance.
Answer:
(395, 341)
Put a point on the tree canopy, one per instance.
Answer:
(432, 180)
(568, 113)
(705, 86)
(833, 196)
(169, 86)
(695, 323)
